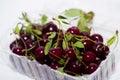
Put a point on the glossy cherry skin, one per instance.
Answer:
(73, 30)
(18, 51)
(97, 37)
(89, 57)
(87, 45)
(25, 37)
(90, 68)
(55, 65)
(30, 44)
(39, 53)
(50, 27)
(85, 34)
(70, 53)
(97, 48)
(76, 66)
(55, 53)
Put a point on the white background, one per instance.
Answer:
(106, 12)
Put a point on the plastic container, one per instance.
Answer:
(43, 72)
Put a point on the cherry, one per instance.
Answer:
(41, 61)
(70, 53)
(91, 68)
(76, 66)
(87, 45)
(73, 30)
(30, 43)
(12, 45)
(43, 42)
(98, 61)
(25, 37)
(55, 53)
(89, 57)
(106, 50)
(39, 52)
(85, 34)
(50, 27)
(97, 37)
(18, 51)
(16, 43)
(98, 48)
(55, 65)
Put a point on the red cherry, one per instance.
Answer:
(73, 30)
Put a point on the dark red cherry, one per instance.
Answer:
(41, 61)
(97, 37)
(76, 66)
(50, 27)
(73, 30)
(55, 53)
(70, 53)
(106, 50)
(25, 37)
(98, 49)
(89, 57)
(85, 34)
(91, 68)
(30, 43)
(55, 65)
(16, 43)
(12, 45)
(18, 51)
(87, 45)
(39, 53)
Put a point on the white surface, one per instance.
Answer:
(106, 12)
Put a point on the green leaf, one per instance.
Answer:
(17, 30)
(38, 32)
(111, 40)
(60, 69)
(61, 17)
(25, 17)
(82, 23)
(68, 36)
(44, 19)
(64, 45)
(47, 47)
(53, 34)
(89, 16)
(78, 44)
(28, 29)
(65, 22)
(72, 12)
(61, 61)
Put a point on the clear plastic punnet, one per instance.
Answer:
(37, 71)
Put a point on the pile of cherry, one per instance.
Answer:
(71, 59)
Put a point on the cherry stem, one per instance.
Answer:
(24, 46)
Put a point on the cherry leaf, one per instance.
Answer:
(68, 36)
(78, 44)
(61, 17)
(47, 47)
(111, 40)
(53, 34)
(82, 23)
(28, 29)
(17, 30)
(72, 12)
(61, 61)
(38, 32)
(65, 22)
(60, 69)
(64, 44)
(44, 19)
